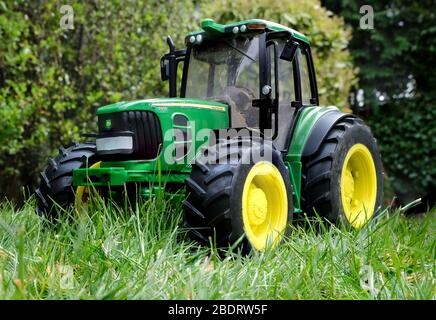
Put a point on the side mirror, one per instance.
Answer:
(164, 69)
(288, 52)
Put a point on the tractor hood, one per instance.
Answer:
(165, 105)
(143, 129)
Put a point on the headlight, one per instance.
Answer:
(114, 143)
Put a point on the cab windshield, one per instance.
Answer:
(227, 70)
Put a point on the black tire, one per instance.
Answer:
(55, 188)
(321, 193)
(213, 208)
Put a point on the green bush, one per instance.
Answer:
(396, 60)
(407, 138)
(52, 80)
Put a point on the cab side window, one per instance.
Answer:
(306, 91)
(286, 95)
(286, 75)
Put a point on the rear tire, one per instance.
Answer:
(214, 206)
(56, 190)
(323, 188)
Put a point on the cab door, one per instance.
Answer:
(297, 89)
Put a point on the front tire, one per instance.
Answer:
(245, 205)
(56, 190)
(343, 180)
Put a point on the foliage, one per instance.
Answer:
(52, 80)
(394, 56)
(113, 253)
(329, 38)
(395, 62)
(407, 138)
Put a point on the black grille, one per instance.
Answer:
(146, 128)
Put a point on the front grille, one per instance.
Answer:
(146, 130)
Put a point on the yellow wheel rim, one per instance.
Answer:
(82, 192)
(358, 186)
(264, 206)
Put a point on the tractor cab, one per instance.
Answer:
(263, 71)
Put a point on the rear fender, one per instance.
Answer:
(320, 130)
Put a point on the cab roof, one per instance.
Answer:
(210, 29)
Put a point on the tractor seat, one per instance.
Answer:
(240, 100)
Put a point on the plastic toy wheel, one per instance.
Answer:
(55, 189)
(245, 206)
(264, 205)
(343, 180)
(82, 193)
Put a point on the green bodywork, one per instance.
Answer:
(205, 116)
(303, 127)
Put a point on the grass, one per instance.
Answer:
(113, 253)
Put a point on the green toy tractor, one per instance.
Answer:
(242, 138)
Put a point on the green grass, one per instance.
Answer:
(114, 253)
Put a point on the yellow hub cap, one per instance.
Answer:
(257, 205)
(358, 185)
(264, 205)
(82, 192)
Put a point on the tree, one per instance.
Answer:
(394, 57)
(396, 73)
